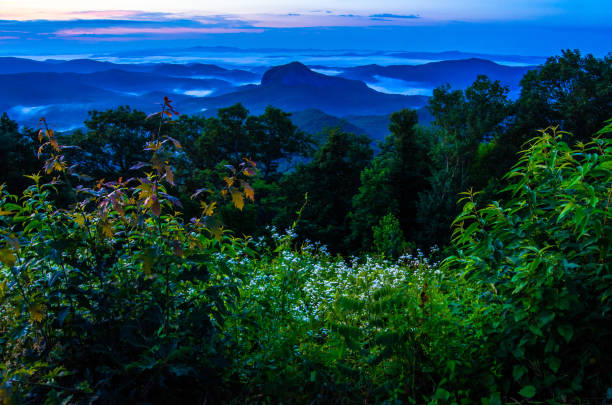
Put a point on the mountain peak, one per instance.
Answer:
(291, 74)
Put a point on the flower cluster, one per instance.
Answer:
(307, 281)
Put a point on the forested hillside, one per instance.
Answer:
(235, 258)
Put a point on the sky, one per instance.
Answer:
(521, 27)
(439, 9)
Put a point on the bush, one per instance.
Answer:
(389, 239)
(542, 258)
(115, 298)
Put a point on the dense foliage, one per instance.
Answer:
(545, 257)
(122, 279)
(415, 174)
(114, 297)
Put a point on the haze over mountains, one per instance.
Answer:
(294, 87)
(359, 97)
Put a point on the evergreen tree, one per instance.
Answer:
(392, 183)
(330, 180)
(17, 154)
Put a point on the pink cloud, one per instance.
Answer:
(104, 39)
(23, 14)
(323, 20)
(8, 37)
(107, 15)
(150, 30)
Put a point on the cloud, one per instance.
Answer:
(131, 26)
(120, 14)
(138, 24)
(394, 16)
(321, 19)
(119, 30)
(195, 93)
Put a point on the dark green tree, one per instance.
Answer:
(330, 179)
(230, 125)
(277, 140)
(113, 142)
(388, 238)
(210, 144)
(392, 183)
(466, 123)
(571, 91)
(17, 154)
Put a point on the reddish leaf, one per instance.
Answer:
(177, 248)
(248, 190)
(176, 143)
(169, 175)
(53, 142)
(156, 208)
(249, 171)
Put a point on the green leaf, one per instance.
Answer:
(546, 317)
(528, 391)
(567, 331)
(469, 206)
(554, 363)
(518, 372)
(147, 262)
(535, 330)
(442, 394)
(566, 210)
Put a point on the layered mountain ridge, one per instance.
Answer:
(356, 97)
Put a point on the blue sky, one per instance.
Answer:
(440, 9)
(523, 27)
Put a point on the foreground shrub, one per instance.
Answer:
(520, 313)
(542, 258)
(113, 298)
(317, 327)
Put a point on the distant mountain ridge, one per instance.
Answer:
(458, 73)
(314, 121)
(294, 87)
(199, 51)
(44, 88)
(66, 90)
(10, 65)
